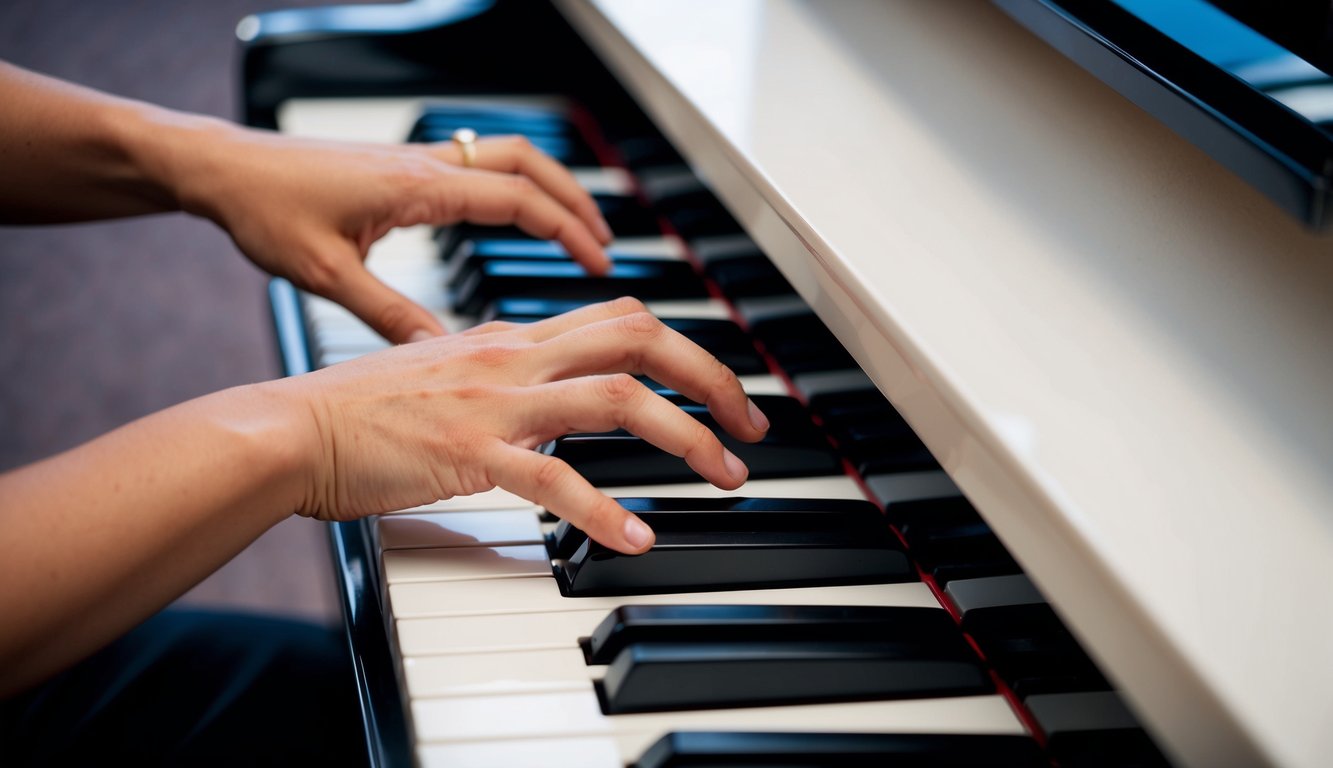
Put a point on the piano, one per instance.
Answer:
(1079, 367)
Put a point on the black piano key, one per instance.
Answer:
(792, 448)
(631, 624)
(802, 344)
(626, 216)
(474, 254)
(1032, 651)
(1093, 730)
(748, 277)
(658, 676)
(705, 515)
(720, 749)
(648, 151)
(517, 118)
(557, 280)
(693, 555)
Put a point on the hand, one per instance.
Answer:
(461, 414)
(309, 211)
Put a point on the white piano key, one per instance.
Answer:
(763, 384)
(832, 487)
(503, 632)
(691, 309)
(458, 529)
(477, 718)
(911, 486)
(606, 180)
(667, 248)
(383, 119)
(825, 382)
(548, 753)
(494, 499)
(479, 674)
(542, 595)
(405, 566)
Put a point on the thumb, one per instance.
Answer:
(392, 315)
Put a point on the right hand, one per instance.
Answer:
(460, 414)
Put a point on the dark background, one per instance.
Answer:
(106, 322)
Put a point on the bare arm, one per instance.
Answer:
(100, 537)
(308, 211)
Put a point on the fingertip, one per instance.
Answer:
(637, 534)
(602, 230)
(420, 334)
(735, 467)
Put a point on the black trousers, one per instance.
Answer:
(195, 688)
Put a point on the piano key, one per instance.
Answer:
(1093, 729)
(542, 594)
(539, 671)
(548, 753)
(565, 714)
(495, 633)
(708, 623)
(538, 630)
(458, 529)
(536, 307)
(657, 280)
(706, 515)
(403, 566)
(793, 447)
(753, 276)
(764, 552)
(604, 180)
(466, 259)
(661, 676)
(828, 487)
(840, 750)
(968, 595)
(911, 486)
(625, 215)
(494, 499)
(833, 383)
(1031, 649)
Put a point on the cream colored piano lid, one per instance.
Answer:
(1122, 353)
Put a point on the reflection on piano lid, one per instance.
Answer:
(1085, 340)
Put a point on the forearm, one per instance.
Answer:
(104, 535)
(74, 154)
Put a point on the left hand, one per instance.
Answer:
(310, 210)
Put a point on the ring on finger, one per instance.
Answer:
(466, 139)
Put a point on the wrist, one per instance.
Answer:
(174, 154)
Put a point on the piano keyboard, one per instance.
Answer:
(867, 656)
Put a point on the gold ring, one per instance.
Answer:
(466, 139)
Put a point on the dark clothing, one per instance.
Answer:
(195, 688)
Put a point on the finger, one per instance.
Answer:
(640, 343)
(392, 315)
(497, 198)
(551, 327)
(604, 403)
(516, 154)
(555, 485)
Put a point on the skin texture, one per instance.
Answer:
(101, 536)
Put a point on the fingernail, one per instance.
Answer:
(421, 334)
(603, 231)
(757, 417)
(735, 467)
(637, 532)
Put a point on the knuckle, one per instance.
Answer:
(494, 326)
(521, 186)
(491, 355)
(643, 325)
(320, 273)
(520, 143)
(626, 305)
(621, 388)
(550, 475)
(393, 316)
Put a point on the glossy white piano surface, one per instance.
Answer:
(1118, 350)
